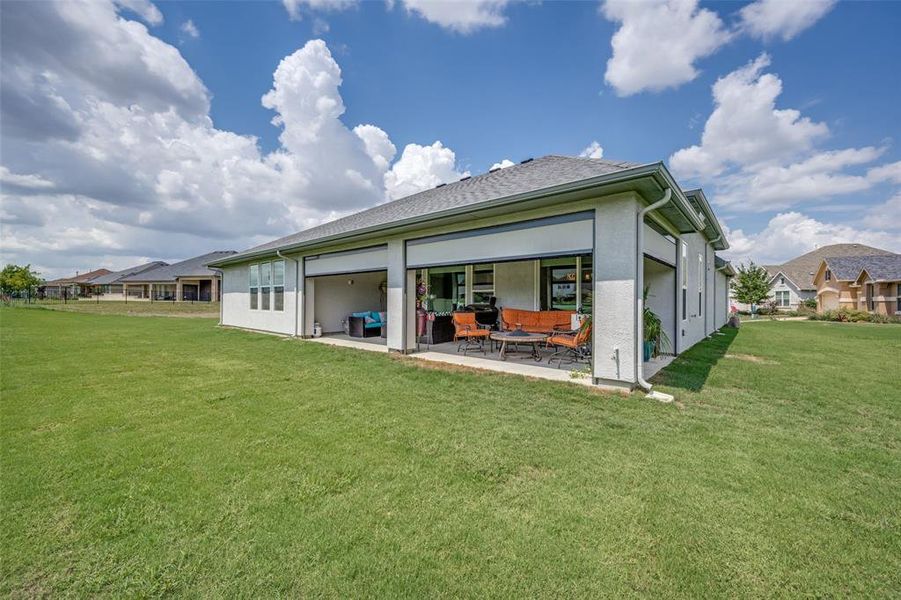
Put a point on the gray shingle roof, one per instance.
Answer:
(545, 172)
(884, 268)
(115, 277)
(192, 267)
(803, 269)
(878, 267)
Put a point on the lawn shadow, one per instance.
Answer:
(691, 369)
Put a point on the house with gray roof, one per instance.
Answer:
(554, 239)
(190, 280)
(792, 282)
(870, 282)
(110, 286)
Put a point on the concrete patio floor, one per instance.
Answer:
(516, 364)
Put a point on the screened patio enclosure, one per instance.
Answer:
(559, 283)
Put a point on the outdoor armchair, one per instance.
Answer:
(571, 347)
(469, 333)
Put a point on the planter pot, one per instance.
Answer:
(421, 319)
(648, 351)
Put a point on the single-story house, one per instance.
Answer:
(792, 282)
(186, 281)
(110, 286)
(551, 234)
(77, 286)
(869, 283)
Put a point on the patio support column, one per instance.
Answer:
(214, 289)
(398, 291)
(308, 295)
(300, 301)
(179, 291)
(614, 306)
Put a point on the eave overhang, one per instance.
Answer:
(649, 181)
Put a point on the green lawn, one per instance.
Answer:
(140, 308)
(144, 456)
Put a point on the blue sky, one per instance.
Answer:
(526, 80)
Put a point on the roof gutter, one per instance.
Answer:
(638, 172)
(639, 299)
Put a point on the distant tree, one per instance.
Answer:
(752, 284)
(15, 279)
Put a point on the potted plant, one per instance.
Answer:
(654, 335)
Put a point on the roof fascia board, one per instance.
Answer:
(710, 216)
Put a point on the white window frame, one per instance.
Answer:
(701, 277)
(470, 282)
(275, 285)
(780, 295)
(254, 290)
(264, 285)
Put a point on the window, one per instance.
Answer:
(587, 288)
(700, 285)
(828, 275)
(558, 283)
(278, 285)
(482, 283)
(683, 266)
(898, 306)
(782, 299)
(447, 288)
(782, 280)
(265, 285)
(871, 299)
(254, 286)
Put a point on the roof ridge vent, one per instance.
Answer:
(440, 185)
(495, 169)
(466, 177)
(528, 160)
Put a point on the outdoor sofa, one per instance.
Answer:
(366, 324)
(536, 321)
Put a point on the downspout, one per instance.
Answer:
(711, 242)
(296, 262)
(639, 301)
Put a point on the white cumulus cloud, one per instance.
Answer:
(757, 157)
(462, 17)
(502, 165)
(593, 150)
(190, 29)
(782, 18)
(110, 155)
(296, 8)
(420, 168)
(791, 234)
(659, 42)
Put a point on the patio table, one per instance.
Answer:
(516, 337)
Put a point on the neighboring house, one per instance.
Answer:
(554, 233)
(793, 282)
(111, 287)
(77, 286)
(186, 281)
(869, 283)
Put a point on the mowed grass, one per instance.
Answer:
(165, 456)
(140, 308)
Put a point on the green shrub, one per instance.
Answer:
(850, 315)
(810, 303)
